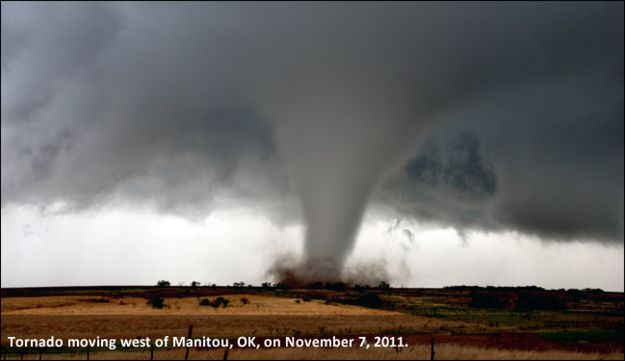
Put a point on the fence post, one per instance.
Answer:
(87, 352)
(40, 352)
(152, 352)
(432, 349)
(186, 354)
(226, 354)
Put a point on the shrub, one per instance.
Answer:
(163, 283)
(245, 300)
(369, 299)
(157, 302)
(205, 302)
(593, 290)
(220, 301)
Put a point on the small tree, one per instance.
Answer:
(220, 301)
(195, 284)
(157, 302)
(205, 302)
(163, 283)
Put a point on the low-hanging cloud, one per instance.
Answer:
(470, 115)
(551, 167)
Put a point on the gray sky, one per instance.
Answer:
(498, 126)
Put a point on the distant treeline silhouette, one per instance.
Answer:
(521, 288)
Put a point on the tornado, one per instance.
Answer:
(173, 106)
(339, 140)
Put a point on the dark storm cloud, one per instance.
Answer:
(174, 104)
(550, 165)
(462, 169)
(98, 105)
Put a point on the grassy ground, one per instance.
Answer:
(258, 305)
(590, 327)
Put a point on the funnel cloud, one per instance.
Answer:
(475, 116)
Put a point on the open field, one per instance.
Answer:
(258, 305)
(580, 325)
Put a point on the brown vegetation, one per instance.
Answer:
(528, 325)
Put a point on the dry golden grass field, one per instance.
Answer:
(259, 305)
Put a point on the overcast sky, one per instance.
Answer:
(428, 144)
